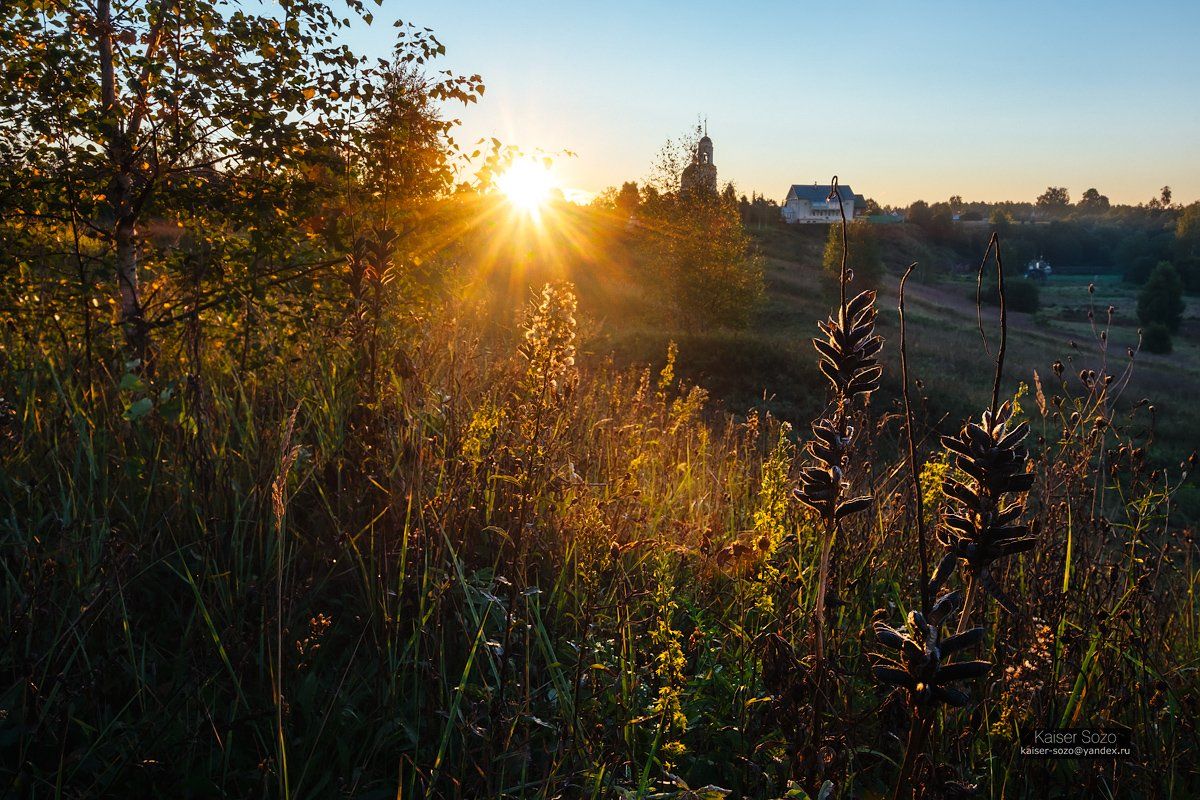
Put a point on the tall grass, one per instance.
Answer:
(495, 564)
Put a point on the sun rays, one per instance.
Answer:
(529, 185)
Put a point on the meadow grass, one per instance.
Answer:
(510, 566)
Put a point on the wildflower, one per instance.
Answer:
(549, 346)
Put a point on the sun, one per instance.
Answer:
(528, 184)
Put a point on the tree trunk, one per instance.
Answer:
(120, 193)
(132, 321)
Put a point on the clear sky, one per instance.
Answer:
(987, 99)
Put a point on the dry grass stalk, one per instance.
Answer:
(919, 667)
(848, 358)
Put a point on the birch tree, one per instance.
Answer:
(104, 104)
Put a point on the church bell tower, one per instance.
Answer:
(701, 174)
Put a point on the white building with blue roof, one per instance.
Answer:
(817, 203)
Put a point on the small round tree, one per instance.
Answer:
(709, 271)
(863, 257)
(1161, 298)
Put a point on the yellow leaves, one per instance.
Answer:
(1022, 391)
(933, 473)
(485, 422)
(309, 93)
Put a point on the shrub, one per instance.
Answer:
(1161, 299)
(708, 270)
(863, 258)
(1019, 295)
(1156, 338)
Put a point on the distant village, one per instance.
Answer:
(817, 203)
(804, 204)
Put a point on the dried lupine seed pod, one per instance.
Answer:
(848, 359)
(981, 524)
(848, 351)
(919, 666)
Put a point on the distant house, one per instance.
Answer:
(816, 204)
(1038, 269)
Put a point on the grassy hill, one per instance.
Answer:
(770, 365)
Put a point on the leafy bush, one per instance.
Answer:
(1161, 299)
(1156, 338)
(706, 268)
(864, 258)
(1019, 295)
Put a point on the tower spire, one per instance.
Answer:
(701, 174)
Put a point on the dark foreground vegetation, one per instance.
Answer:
(326, 474)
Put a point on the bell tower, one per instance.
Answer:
(701, 174)
(704, 150)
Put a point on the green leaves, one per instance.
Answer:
(130, 382)
(138, 409)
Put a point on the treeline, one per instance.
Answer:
(1090, 236)
(757, 211)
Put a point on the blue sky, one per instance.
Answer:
(989, 100)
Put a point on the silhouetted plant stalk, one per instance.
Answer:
(847, 357)
(921, 650)
(985, 501)
(919, 669)
(914, 470)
